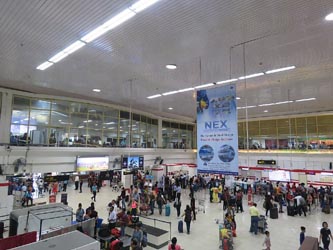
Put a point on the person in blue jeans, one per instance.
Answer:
(254, 212)
(94, 191)
(188, 218)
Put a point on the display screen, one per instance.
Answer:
(84, 164)
(133, 161)
(279, 175)
(266, 162)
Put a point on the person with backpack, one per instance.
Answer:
(187, 218)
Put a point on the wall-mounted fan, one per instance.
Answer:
(19, 165)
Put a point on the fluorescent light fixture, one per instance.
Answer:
(238, 98)
(247, 107)
(306, 100)
(170, 108)
(96, 90)
(108, 123)
(266, 111)
(284, 102)
(58, 57)
(204, 85)
(329, 17)
(74, 47)
(94, 34)
(45, 65)
(80, 126)
(119, 19)
(266, 104)
(251, 76)
(280, 70)
(142, 5)
(87, 121)
(109, 25)
(171, 66)
(246, 169)
(227, 81)
(184, 90)
(170, 93)
(154, 96)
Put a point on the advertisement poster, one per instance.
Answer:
(217, 130)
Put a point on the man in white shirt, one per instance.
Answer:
(76, 180)
(112, 218)
(300, 205)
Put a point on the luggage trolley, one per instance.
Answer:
(262, 224)
(225, 238)
(201, 206)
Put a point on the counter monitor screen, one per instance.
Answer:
(132, 162)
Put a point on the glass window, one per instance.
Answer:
(76, 107)
(79, 120)
(40, 104)
(39, 117)
(38, 135)
(111, 112)
(20, 116)
(21, 103)
(60, 119)
(124, 114)
(60, 107)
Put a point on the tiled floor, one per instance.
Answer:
(204, 232)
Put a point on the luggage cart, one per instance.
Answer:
(201, 206)
(226, 242)
(262, 224)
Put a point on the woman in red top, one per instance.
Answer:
(174, 245)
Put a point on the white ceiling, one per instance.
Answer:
(181, 32)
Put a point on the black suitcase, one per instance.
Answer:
(274, 213)
(290, 210)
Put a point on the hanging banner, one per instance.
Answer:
(217, 137)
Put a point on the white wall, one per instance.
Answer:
(311, 160)
(52, 159)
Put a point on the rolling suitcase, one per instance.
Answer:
(290, 210)
(180, 226)
(167, 210)
(326, 209)
(274, 213)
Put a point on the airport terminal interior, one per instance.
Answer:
(237, 93)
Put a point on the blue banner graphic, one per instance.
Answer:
(217, 136)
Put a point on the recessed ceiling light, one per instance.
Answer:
(329, 17)
(171, 66)
(170, 108)
(96, 90)
(265, 111)
(238, 98)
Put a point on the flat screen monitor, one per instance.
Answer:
(132, 161)
(279, 175)
(99, 163)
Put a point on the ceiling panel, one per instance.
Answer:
(199, 36)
